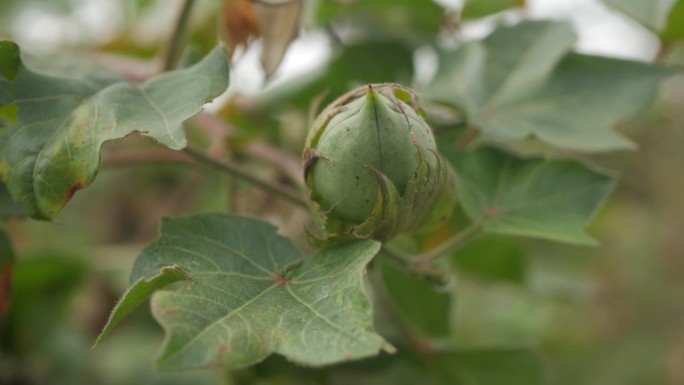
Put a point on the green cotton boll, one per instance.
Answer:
(372, 166)
(370, 132)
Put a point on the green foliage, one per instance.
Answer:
(513, 367)
(523, 81)
(474, 9)
(478, 299)
(8, 207)
(252, 294)
(549, 199)
(9, 61)
(385, 15)
(664, 17)
(54, 148)
(494, 257)
(41, 289)
(674, 31)
(392, 62)
(417, 301)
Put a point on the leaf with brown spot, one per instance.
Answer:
(53, 150)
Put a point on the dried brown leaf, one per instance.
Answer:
(280, 26)
(239, 24)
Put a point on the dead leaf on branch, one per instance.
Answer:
(275, 21)
(238, 23)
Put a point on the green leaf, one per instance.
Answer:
(450, 366)
(398, 15)
(416, 301)
(664, 17)
(251, 294)
(487, 367)
(43, 285)
(541, 198)
(54, 148)
(674, 31)
(391, 61)
(493, 257)
(475, 9)
(522, 81)
(8, 207)
(9, 61)
(502, 366)
(652, 14)
(675, 57)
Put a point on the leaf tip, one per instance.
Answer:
(72, 190)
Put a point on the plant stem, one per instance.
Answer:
(458, 240)
(662, 53)
(468, 137)
(238, 171)
(424, 263)
(397, 257)
(173, 47)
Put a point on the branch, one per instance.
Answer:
(174, 44)
(663, 53)
(217, 130)
(459, 239)
(426, 264)
(236, 170)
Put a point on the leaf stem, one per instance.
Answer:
(397, 257)
(431, 270)
(236, 170)
(458, 240)
(424, 263)
(663, 52)
(173, 47)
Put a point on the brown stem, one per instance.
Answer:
(193, 156)
(217, 130)
(240, 172)
(288, 164)
(662, 53)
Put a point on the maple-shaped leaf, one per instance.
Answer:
(251, 294)
(524, 81)
(53, 150)
(541, 198)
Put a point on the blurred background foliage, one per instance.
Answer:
(609, 315)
